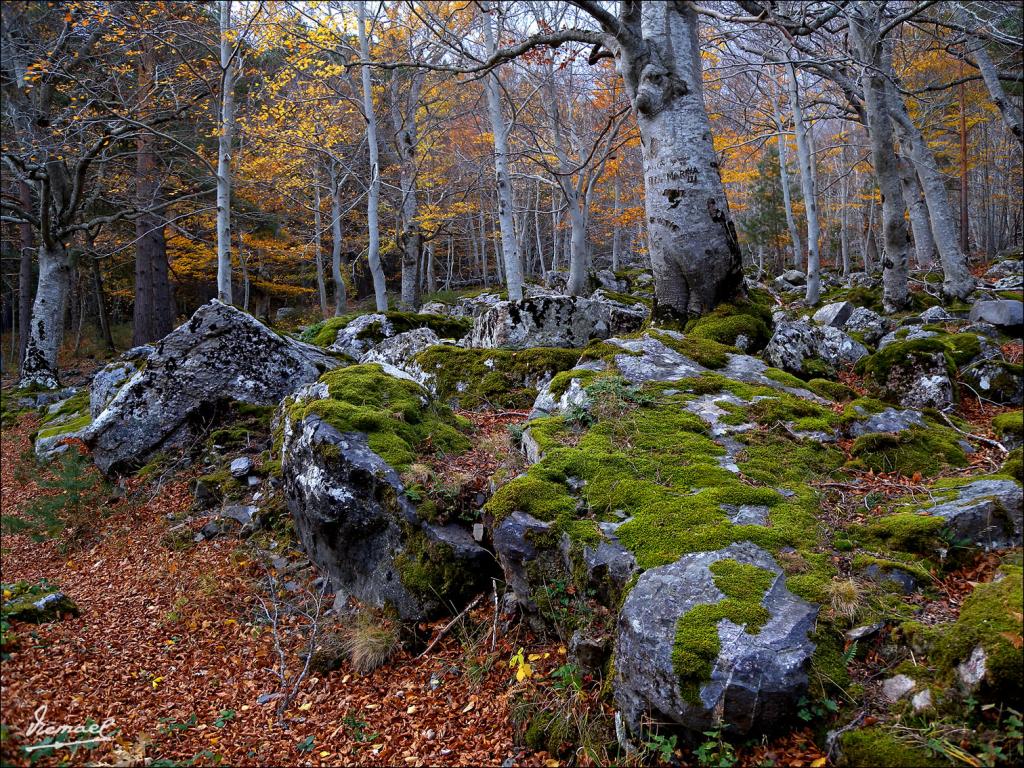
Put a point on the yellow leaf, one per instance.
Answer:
(533, 657)
(305, 707)
(819, 763)
(525, 671)
(325, 753)
(551, 763)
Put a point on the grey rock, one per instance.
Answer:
(1011, 283)
(904, 335)
(49, 445)
(896, 687)
(796, 341)
(241, 513)
(906, 583)
(589, 651)
(920, 380)
(607, 280)
(552, 321)
(1003, 313)
(42, 399)
(139, 353)
(474, 306)
(220, 354)
(794, 277)
(401, 348)
(869, 324)
(355, 522)
(890, 420)
(995, 380)
(435, 308)
(556, 280)
(240, 467)
(283, 313)
(353, 340)
(861, 280)
(972, 671)
(757, 679)
(746, 514)
(865, 630)
(106, 384)
(937, 314)
(1006, 268)
(987, 513)
(835, 315)
(922, 700)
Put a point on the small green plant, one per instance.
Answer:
(73, 509)
(306, 745)
(715, 751)
(171, 726)
(815, 709)
(357, 729)
(661, 747)
(225, 716)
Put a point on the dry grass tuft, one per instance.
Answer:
(370, 642)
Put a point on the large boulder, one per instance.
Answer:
(797, 342)
(220, 354)
(715, 637)
(835, 315)
(985, 513)
(1007, 314)
(552, 321)
(915, 373)
(353, 516)
(358, 336)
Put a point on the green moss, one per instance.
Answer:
(696, 642)
(831, 390)
(390, 411)
(918, 449)
(325, 332)
(727, 322)
(910, 564)
(876, 746)
(786, 379)
(1014, 465)
(501, 378)
(1009, 424)
(626, 298)
(81, 422)
(906, 532)
(78, 403)
(991, 617)
(701, 349)
(902, 355)
(431, 571)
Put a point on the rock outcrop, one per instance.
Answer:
(220, 354)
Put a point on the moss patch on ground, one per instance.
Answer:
(727, 322)
(918, 449)
(501, 378)
(1009, 425)
(399, 423)
(877, 746)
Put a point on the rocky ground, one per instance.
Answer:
(534, 532)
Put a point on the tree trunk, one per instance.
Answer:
(373, 198)
(39, 364)
(25, 283)
(227, 127)
(924, 244)
(616, 229)
(695, 255)
(340, 297)
(318, 250)
(503, 181)
(865, 29)
(787, 198)
(153, 313)
(807, 186)
(989, 73)
(957, 279)
(101, 303)
(410, 238)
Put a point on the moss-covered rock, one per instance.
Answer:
(395, 414)
(499, 378)
(727, 323)
(878, 746)
(990, 618)
(918, 449)
(1009, 428)
(324, 333)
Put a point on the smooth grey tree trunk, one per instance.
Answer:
(865, 29)
(503, 181)
(803, 152)
(373, 196)
(318, 251)
(340, 293)
(227, 127)
(990, 74)
(26, 287)
(924, 244)
(616, 229)
(787, 198)
(957, 281)
(46, 330)
(406, 135)
(695, 255)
